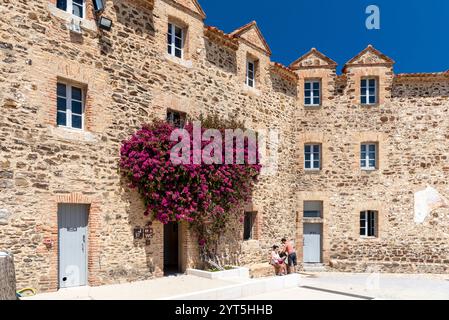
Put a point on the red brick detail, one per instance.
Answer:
(94, 232)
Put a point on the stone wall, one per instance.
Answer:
(130, 80)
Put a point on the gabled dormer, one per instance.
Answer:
(192, 6)
(370, 77)
(251, 35)
(316, 74)
(253, 57)
(313, 59)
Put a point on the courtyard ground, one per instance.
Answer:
(317, 286)
(347, 286)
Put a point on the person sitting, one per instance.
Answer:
(277, 262)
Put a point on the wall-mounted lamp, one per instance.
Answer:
(105, 23)
(98, 5)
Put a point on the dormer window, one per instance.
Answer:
(312, 93)
(368, 91)
(175, 41)
(75, 7)
(251, 73)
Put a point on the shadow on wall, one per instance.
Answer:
(220, 57)
(132, 20)
(136, 219)
(282, 85)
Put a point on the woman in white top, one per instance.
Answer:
(277, 262)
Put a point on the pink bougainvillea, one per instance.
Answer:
(205, 196)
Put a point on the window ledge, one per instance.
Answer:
(309, 106)
(251, 91)
(67, 17)
(369, 105)
(312, 171)
(72, 134)
(185, 63)
(366, 238)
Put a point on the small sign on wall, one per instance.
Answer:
(138, 233)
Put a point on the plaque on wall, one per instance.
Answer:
(138, 233)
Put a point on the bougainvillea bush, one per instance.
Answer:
(205, 196)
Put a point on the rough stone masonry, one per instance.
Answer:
(128, 78)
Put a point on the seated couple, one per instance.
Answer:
(280, 255)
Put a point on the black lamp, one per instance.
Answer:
(98, 5)
(105, 23)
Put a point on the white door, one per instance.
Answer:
(72, 225)
(312, 243)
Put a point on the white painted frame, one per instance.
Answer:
(366, 218)
(68, 109)
(312, 157)
(308, 93)
(172, 44)
(251, 75)
(364, 92)
(70, 5)
(367, 158)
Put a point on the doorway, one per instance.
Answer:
(312, 242)
(171, 248)
(72, 249)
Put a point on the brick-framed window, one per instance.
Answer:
(249, 226)
(176, 118)
(175, 40)
(70, 105)
(251, 72)
(369, 224)
(368, 91)
(368, 156)
(312, 157)
(75, 7)
(312, 93)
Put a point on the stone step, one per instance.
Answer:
(314, 267)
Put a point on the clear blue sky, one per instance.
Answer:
(413, 33)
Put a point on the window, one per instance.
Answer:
(312, 157)
(75, 7)
(248, 225)
(70, 105)
(175, 41)
(177, 119)
(368, 156)
(313, 209)
(251, 73)
(312, 93)
(368, 223)
(368, 91)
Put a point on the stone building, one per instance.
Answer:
(353, 148)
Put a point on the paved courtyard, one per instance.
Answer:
(319, 286)
(345, 286)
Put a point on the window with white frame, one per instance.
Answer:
(368, 156)
(75, 7)
(368, 91)
(70, 106)
(312, 93)
(312, 157)
(175, 41)
(368, 223)
(251, 73)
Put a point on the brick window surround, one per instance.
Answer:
(93, 237)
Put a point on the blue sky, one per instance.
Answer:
(413, 33)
